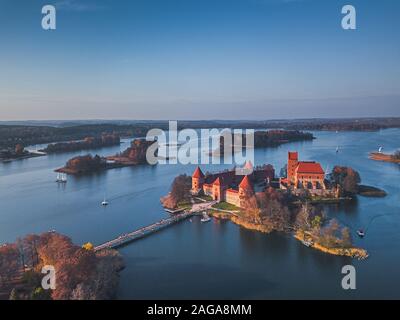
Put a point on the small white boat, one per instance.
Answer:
(361, 233)
(205, 218)
(307, 243)
(61, 177)
(337, 149)
(104, 203)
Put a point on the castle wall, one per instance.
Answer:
(232, 198)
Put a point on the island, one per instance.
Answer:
(81, 273)
(18, 153)
(41, 132)
(134, 155)
(260, 201)
(105, 140)
(264, 139)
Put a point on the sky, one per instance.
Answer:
(199, 59)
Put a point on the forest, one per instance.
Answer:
(80, 273)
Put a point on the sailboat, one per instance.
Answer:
(337, 149)
(380, 149)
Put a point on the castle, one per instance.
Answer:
(307, 175)
(228, 186)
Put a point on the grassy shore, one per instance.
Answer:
(353, 252)
(383, 157)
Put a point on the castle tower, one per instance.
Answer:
(245, 191)
(248, 168)
(245, 186)
(293, 162)
(217, 190)
(197, 181)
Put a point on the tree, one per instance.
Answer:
(347, 178)
(13, 294)
(88, 246)
(346, 238)
(329, 234)
(273, 210)
(180, 191)
(40, 294)
(19, 149)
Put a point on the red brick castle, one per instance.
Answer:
(228, 186)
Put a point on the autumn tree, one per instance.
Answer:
(347, 178)
(346, 238)
(396, 155)
(272, 209)
(180, 191)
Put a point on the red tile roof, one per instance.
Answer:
(245, 184)
(217, 181)
(198, 173)
(309, 167)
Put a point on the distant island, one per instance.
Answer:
(265, 139)
(134, 155)
(291, 203)
(378, 156)
(105, 140)
(41, 132)
(27, 135)
(81, 273)
(18, 153)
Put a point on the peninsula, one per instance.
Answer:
(18, 153)
(378, 156)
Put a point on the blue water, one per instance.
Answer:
(218, 259)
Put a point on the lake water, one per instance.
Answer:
(218, 259)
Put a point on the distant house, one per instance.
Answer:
(229, 186)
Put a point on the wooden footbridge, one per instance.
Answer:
(145, 231)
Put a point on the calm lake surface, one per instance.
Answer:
(218, 259)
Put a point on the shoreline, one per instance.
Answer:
(28, 156)
(77, 172)
(383, 157)
(353, 252)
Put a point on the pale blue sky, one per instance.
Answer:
(198, 59)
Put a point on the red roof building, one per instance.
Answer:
(304, 174)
